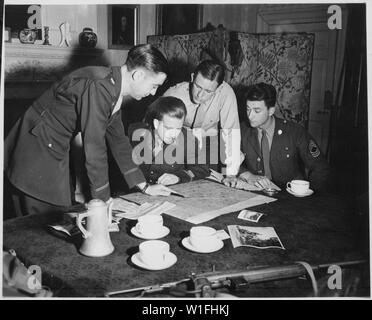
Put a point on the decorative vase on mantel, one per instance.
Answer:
(87, 38)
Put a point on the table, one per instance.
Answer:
(318, 229)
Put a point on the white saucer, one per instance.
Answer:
(170, 260)
(165, 231)
(308, 193)
(186, 243)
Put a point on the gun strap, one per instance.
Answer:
(310, 272)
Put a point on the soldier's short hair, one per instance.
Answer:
(148, 57)
(262, 92)
(211, 70)
(170, 106)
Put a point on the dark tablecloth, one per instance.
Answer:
(317, 229)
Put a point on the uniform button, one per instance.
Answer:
(49, 145)
(286, 148)
(258, 159)
(172, 165)
(287, 155)
(152, 172)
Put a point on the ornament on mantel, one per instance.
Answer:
(88, 38)
(46, 36)
(65, 34)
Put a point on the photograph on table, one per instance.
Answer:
(257, 237)
(251, 216)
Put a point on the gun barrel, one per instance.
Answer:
(343, 263)
(263, 274)
(259, 274)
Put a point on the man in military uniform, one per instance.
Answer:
(275, 149)
(211, 107)
(160, 145)
(88, 100)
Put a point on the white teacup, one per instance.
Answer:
(150, 225)
(154, 252)
(298, 186)
(203, 238)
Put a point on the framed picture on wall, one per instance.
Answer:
(122, 26)
(174, 19)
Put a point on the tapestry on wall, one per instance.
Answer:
(283, 60)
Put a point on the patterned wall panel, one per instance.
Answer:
(283, 60)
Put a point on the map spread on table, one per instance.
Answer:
(204, 200)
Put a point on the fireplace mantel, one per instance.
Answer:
(30, 68)
(13, 50)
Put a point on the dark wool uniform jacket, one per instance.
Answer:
(37, 148)
(293, 152)
(159, 164)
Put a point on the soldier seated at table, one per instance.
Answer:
(160, 144)
(275, 149)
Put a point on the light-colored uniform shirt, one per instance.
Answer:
(221, 108)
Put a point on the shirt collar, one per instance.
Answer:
(219, 88)
(271, 127)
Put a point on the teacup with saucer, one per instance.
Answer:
(202, 240)
(154, 255)
(150, 227)
(299, 188)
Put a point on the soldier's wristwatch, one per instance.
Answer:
(143, 190)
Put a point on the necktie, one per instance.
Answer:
(193, 121)
(265, 154)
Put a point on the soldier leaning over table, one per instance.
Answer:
(87, 100)
(292, 150)
(160, 144)
(211, 108)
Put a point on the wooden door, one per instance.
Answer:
(327, 59)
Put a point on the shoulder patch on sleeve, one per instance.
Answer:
(313, 149)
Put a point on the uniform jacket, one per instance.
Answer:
(293, 155)
(37, 148)
(143, 142)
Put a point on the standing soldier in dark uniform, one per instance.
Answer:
(88, 101)
(275, 149)
(160, 144)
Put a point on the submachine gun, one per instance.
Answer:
(209, 284)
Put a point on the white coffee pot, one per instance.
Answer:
(97, 242)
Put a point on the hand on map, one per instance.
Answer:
(167, 179)
(230, 181)
(261, 182)
(238, 183)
